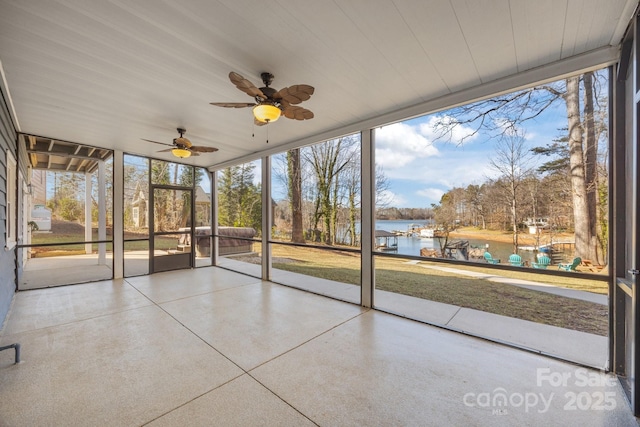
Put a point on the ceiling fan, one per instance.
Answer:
(270, 104)
(182, 147)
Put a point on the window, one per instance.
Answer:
(316, 218)
(11, 212)
(136, 218)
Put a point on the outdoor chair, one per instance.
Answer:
(543, 262)
(570, 267)
(490, 259)
(515, 260)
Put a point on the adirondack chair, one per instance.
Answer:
(490, 259)
(543, 262)
(570, 267)
(515, 260)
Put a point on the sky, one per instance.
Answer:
(420, 167)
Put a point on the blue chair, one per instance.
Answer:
(490, 259)
(515, 260)
(570, 267)
(543, 262)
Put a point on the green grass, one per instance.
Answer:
(395, 275)
(161, 242)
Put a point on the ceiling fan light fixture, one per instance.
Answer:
(266, 113)
(181, 153)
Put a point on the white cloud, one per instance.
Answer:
(432, 194)
(399, 144)
(422, 168)
(389, 198)
(452, 169)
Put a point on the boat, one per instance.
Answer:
(427, 233)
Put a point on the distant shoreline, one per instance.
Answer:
(524, 239)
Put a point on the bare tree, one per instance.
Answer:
(445, 216)
(513, 162)
(474, 198)
(502, 114)
(328, 160)
(294, 174)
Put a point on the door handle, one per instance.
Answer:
(633, 272)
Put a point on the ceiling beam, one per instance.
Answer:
(67, 155)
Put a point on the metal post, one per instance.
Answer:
(267, 220)
(367, 276)
(102, 213)
(118, 214)
(16, 347)
(88, 236)
(214, 218)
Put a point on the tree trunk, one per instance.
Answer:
(334, 212)
(295, 194)
(326, 207)
(591, 166)
(583, 235)
(353, 236)
(514, 218)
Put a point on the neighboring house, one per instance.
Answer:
(140, 207)
(38, 187)
(203, 207)
(10, 212)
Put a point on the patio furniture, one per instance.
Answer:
(572, 266)
(542, 262)
(490, 259)
(515, 260)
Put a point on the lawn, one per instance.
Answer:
(396, 275)
(65, 232)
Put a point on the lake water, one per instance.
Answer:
(412, 245)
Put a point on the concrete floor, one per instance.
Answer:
(72, 269)
(575, 346)
(213, 347)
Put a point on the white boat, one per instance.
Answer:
(427, 233)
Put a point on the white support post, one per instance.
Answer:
(102, 213)
(214, 218)
(267, 219)
(87, 213)
(118, 214)
(367, 275)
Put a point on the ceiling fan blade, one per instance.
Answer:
(297, 113)
(202, 149)
(245, 85)
(295, 94)
(233, 104)
(182, 142)
(165, 151)
(156, 142)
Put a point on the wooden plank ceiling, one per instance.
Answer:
(110, 73)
